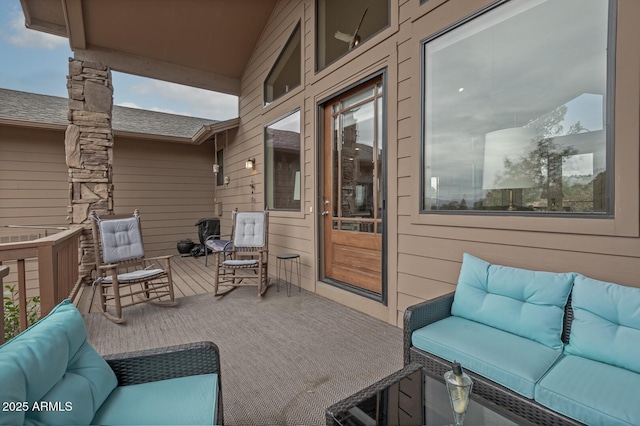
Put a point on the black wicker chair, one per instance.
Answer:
(168, 363)
(428, 312)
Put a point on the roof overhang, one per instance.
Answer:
(31, 124)
(209, 130)
(200, 43)
(205, 133)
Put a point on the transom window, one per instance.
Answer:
(516, 108)
(344, 25)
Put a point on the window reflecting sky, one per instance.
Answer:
(538, 64)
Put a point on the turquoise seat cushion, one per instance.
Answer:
(52, 368)
(606, 323)
(591, 392)
(523, 302)
(181, 401)
(512, 361)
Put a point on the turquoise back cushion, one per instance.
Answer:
(606, 323)
(54, 370)
(526, 303)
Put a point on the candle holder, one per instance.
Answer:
(459, 386)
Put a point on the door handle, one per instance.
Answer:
(324, 213)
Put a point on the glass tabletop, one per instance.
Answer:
(413, 397)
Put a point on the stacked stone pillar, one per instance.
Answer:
(89, 150)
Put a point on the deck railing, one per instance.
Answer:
(57, 259)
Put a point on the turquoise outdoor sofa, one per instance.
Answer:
(51, 375)
(555, 348)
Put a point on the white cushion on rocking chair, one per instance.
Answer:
(121, 239)
(135, 275)
(247, 262)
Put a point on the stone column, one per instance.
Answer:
(89, 150)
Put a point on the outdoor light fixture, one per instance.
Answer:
(250, 164)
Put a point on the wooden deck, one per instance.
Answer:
(190, 277)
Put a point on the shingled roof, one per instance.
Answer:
(26, 107)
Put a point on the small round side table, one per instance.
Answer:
(281, 263)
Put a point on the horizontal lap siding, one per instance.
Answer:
(34, 190)
(429, 256)
(171, 184)
(423, 260)
(288, 232)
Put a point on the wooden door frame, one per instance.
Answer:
(321, 164)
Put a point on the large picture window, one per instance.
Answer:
(516, 111)
(282, 163)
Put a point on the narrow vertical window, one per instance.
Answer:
(286, 73)
(282, 163)
(220, 163)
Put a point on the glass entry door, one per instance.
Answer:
(353, 197)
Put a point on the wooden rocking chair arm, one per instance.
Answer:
(167, 256)
(109, 266)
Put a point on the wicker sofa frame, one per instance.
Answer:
(168, 363)
(428, 312)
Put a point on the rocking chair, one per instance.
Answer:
(124, 276)
(246, 259)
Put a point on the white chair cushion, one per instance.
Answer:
(249, 231)
(121, 239)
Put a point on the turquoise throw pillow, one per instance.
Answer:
(606, 323)
(526, 303)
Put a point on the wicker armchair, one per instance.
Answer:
(132, 368)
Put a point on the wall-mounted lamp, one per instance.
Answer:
(216, 168)
(250, 164)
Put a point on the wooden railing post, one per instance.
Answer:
(22, 292)
(48, 277)
(4, 271)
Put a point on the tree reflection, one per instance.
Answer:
(543, 166)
